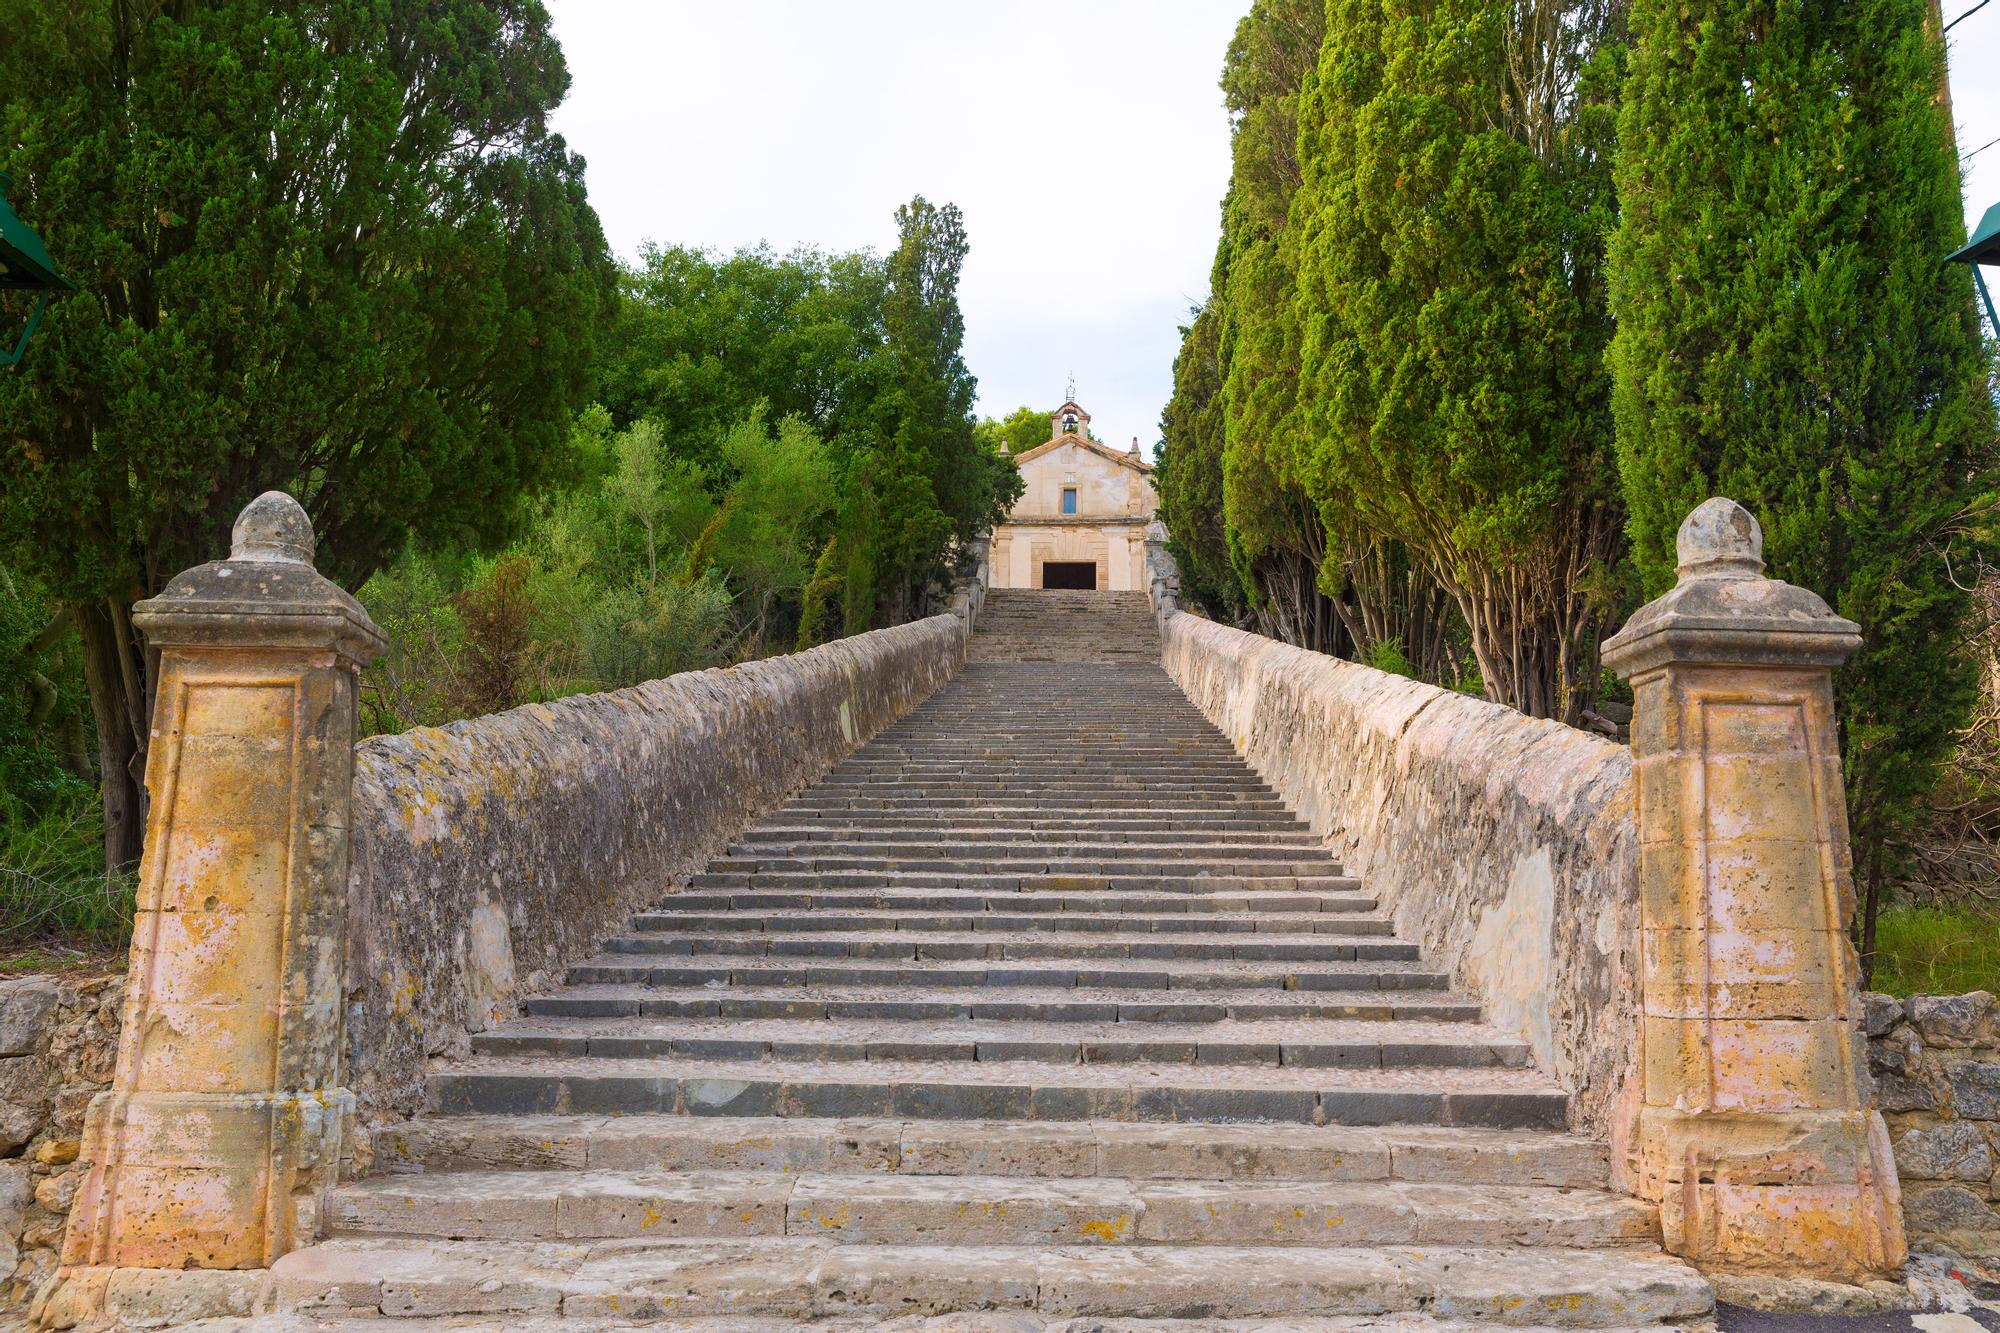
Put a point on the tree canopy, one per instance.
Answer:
(332, 248)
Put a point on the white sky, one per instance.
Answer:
(1085, 142)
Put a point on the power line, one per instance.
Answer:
(1977, 151)
(1967, 14)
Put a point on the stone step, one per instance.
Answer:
(1260, 811)
(861, 851)
(978, 1210)
(931, 831)
(1304, 1043)
(1009, 917)
(995, 1148)
(1106, 973)
(1044, 905)
(1035, 943)
(1024, 863)
(1022, 1090)
(1071, 884)
(1003, 1004)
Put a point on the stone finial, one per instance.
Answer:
(1720, 539)
(274, 527)
(1726, 609)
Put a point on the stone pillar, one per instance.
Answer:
(1754, 1130)
(223, 1122)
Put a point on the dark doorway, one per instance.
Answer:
(1070, 574)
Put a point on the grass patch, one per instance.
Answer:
(1937, 950)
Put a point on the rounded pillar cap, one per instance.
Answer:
(1720, 539)
(273, 526)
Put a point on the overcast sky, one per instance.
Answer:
(1085, 141)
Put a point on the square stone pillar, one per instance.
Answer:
(223, 1121)
(1755, 1132)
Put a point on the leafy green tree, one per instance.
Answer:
(1451, 302)
(701, 339)
(923, 494)
(332, 248)
(1787, 336)
(1020, 430)
(778, 503)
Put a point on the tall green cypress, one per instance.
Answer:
(1451, 302)
(1788, 336)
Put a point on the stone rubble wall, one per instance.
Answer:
(1936, 1061)
(491, 855)
(1504, 844)
(58, 1046)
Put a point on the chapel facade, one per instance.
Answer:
(1083, 513)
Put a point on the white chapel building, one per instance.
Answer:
(1081, 520)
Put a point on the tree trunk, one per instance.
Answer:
(114, 669)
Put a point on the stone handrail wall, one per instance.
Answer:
(490, 855)
(1504, 844)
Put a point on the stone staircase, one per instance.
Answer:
(1040, 1005)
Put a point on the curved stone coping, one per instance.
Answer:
(491, 854)
(1505, 844)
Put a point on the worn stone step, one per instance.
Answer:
(1024, 1090)
(981, 817)
(995, 1148)
(1105, 973)
(891, 1209)
(1044, 905)
(864, 852)
(1306, 1043)
(819, 1278)
(1121, 881)
(1035, 943)
(1012, 918)
(1002, 1004)
(932, 831)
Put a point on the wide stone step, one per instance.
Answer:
(1013, 918)
(1220, 1152)
(1044, 905)
(543, 1085)
(980, 1210)
(1035, 943)
(1124, 881)
(1002, 1004)
(1304, 1043)
(1016, 860)
(1107, 973)
(956, 831)
(863, 851)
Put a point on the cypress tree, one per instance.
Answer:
(1451, 303)
(1788, 336)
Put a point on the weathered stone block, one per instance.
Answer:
(1953, 1150)
(26, 1006)
(1944, 1209)
(1975, 1090)
(1880, 1013)
(1956, 1021)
